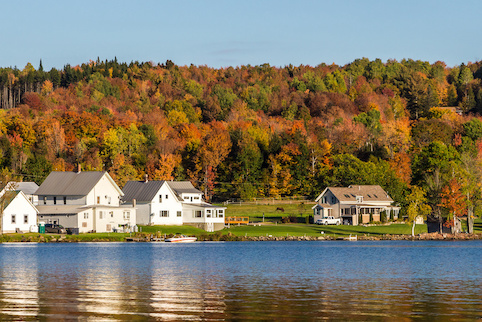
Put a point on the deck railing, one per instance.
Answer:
(236, 220)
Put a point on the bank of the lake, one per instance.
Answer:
(266, 232)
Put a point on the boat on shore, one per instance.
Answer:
(180, 239)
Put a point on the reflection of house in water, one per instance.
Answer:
(103, 289)
(19, 283)
(178, 295)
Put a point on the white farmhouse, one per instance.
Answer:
(172, 203)
(355, 204)
(84, 200)
(18, 214)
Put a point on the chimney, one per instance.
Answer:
(79, 168)
(146, 178)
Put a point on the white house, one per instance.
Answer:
(355, 204)
(84, 200)
(18, 214)
(172, 203)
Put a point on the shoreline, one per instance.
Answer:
(230, 237)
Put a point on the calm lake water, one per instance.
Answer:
(382, 280)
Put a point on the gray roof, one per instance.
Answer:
(141, 191)
(180, 187)
(28, 188)
(146, 191)
(60, 183)
(62, 210)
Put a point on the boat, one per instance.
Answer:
(352, 238)
(181, 239)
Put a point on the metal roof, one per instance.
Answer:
(28, 188)
(60, 183)
(180, 187)
(62, 210)
(141, 191)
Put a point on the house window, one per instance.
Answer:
(186, 198)
(111, 214)
(167, 197)
(109, 199)
(196, 198)
(86, 215)
(198, 214)
(208, 213)
(14, 219)
(164, 213)
(45, 200)
(65, 200)
(220, 213)
(323, 200)
(25, 219)
(160, 198)
(333, 200)
(101, 215)
(179, 214)
(55, 200)
(98, 200)
(127, 215)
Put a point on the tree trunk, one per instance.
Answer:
(470, 221)
(413, 229)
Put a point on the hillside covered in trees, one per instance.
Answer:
(254, 131)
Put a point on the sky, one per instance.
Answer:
(226, 33)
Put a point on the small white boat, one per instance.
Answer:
(181, 239)
(352, 238)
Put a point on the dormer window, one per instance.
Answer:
(359, 199)
(65, 200)
(55, 200)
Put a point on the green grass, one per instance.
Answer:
(184, 230)
(315, 230)
(478, 226)
(255, 212)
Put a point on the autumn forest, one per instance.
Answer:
(254, 131)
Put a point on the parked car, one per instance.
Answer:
(54, 228)
(330, 220)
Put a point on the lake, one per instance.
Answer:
(382, 280)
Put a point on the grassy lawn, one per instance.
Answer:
(185, 230)
(478, 226)
(316, 230)
(255, 212)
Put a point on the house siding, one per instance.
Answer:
(20, 207)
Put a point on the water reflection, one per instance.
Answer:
(178, 290)
(19, 284)
(239, 281)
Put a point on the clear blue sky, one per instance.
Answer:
(221, 33)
